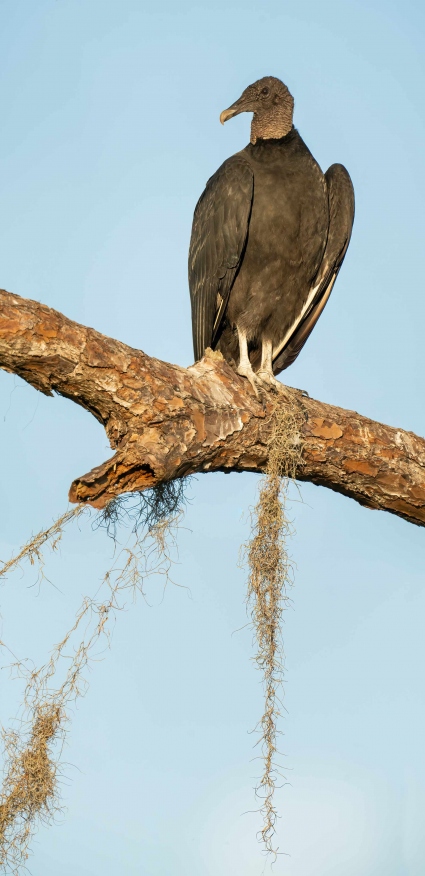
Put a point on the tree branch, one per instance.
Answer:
(166, 422)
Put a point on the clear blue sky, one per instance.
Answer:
(109, 130)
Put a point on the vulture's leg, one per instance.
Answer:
(245, 367)
(265, 376)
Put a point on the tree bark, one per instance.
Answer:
(165, 422)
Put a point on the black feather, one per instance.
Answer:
(219, 232)
(269, 235)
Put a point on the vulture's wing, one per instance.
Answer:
(219, 233)
(341, 218)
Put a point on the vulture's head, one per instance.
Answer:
(273, 107)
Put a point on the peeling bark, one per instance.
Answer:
(165, 422)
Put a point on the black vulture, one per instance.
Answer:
(269, 235)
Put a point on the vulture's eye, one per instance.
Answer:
(265, 90)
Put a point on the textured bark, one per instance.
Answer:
(164, 421)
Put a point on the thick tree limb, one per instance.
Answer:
(165, 422)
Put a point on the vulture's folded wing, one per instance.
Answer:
(341, 218)
(219, 233)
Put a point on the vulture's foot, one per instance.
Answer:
(245, 370)
(268, 381)
(264, 381)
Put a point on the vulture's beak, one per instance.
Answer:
(240, 106)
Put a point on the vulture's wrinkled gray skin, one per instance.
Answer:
(269, 235)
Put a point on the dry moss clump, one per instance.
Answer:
(148, 509)
(29, 791)
(32, 550)
(32, 760)
(270, 576)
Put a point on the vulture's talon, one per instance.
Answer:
(254, 385)
(246, 371)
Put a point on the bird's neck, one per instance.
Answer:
(272, 126)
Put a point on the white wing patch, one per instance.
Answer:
(297, 321)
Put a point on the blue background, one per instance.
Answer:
(109, 131)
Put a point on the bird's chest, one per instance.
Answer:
(289, 217)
